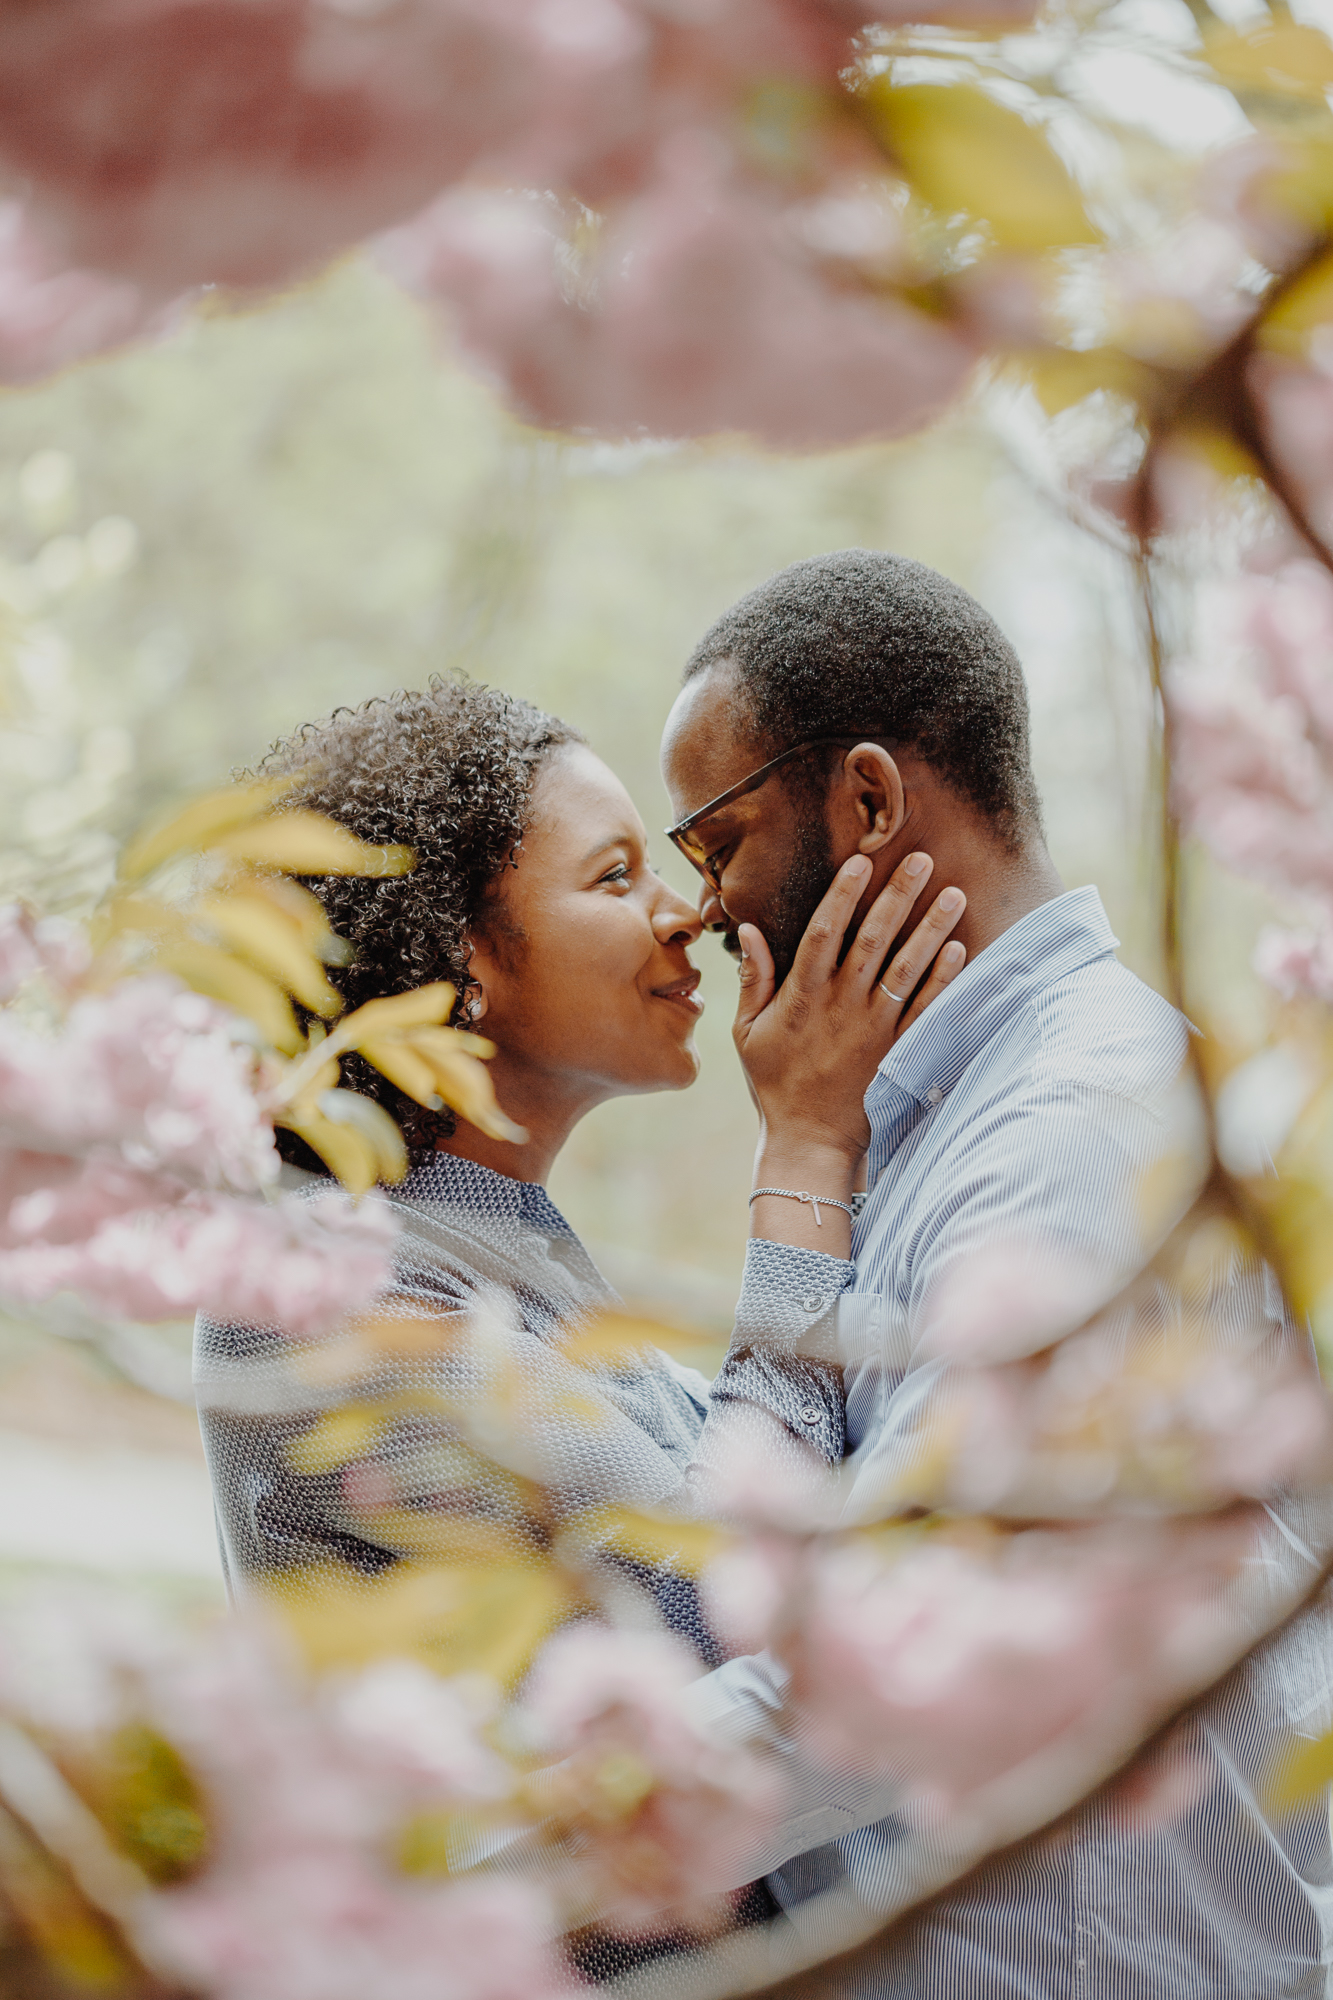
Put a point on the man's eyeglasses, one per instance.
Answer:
(695, 849)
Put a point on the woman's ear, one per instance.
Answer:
(874, 791)
(475, 1002)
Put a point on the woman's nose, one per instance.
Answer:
(674, 922)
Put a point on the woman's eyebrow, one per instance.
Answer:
(605, 845)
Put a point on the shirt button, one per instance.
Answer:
(811, 1414)
(934, 1094)
(813, 1303)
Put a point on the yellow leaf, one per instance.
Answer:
(1303, 183)
(129, 914)
(315, 1081)
(1282, 56)
(481, 1620)
(256, 930)
(967, 154)
(403, 1333)
(424, 1006)
(434, 1842)
(224, 978)
(687, 1546)
(433, 1041)
(1062, 378)
(337, 1437)
(344, 1152)
(1308, 304)
(302, 909)
(373, 1125)
(1301, 1225)
(1301, 1773)
(1219, 451)
(466, 1088)
(448, 1538)
(306, 843)
(200, 824)
(404, 1067)
(612, 1337)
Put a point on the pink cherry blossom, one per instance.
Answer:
(1236, 185)
(1299, 961)
(305, 1787)
(1182, 298)
(953, 1664)
(1253, 767)
(1117, 1422)
(1294, 402)
(164, 149)
(52, 314)
(697, 311)
(146, 1071)
(659, 1810)
(135, 1150)
(143, 1246)
(32, 945)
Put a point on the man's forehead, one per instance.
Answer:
(706, 746)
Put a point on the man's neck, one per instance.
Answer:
(1001, 889)
(1001, 884)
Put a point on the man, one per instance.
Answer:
(1021, 1108)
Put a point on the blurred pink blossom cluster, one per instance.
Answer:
(1061, 1403)
(307, 1789)
(1253, 764)
(705, 219)
(660, 1812)
(1105, 1424)
(137, 1160)
(304, 1787)
(958, 1661)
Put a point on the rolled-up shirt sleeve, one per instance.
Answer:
(783, 1355)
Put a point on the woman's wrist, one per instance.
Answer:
(823, 1169)
(822, 1223)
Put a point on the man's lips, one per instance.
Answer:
(682, 991)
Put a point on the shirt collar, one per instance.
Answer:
(466, 1184)
(1050, 941)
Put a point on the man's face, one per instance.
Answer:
(770, 849)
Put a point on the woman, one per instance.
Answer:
(533, 896)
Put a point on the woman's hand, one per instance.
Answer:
(811, 1047)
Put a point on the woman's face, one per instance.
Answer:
(586, 981)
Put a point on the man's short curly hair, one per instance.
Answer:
(448, 772)
(861, 641)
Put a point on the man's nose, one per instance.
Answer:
(711, 913)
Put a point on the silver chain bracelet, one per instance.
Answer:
(814, 1201)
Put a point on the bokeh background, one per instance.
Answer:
(206, 541)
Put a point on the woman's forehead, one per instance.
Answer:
(580, 803)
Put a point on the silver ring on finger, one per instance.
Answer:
(887, 995)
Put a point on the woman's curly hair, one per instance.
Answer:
(448, 772)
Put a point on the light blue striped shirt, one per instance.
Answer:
(1023, 1106)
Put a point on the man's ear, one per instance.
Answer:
(873, 794)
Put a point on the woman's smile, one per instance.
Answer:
(683, 992)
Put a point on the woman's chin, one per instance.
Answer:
(676, 1070)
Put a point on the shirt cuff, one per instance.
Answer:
(789, 1300)
(783, 1356)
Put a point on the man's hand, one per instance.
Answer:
(811, 1047)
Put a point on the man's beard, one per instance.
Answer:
(809, 873)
